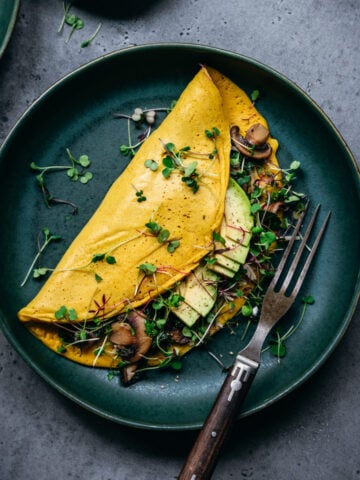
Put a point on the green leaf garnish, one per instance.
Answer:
(255, 94)
(110, 259)
(267, 239)
(218, 238)
(64, 313)
(309, 299)
(41, 271)
(61, 313)
(72, 314)
(98, 257)
(147, 268)
(163, 236)
(98, 278)
(151, 164)
(173, 245)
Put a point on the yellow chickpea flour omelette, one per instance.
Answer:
(151, 277)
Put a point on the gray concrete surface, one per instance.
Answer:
(314, 433)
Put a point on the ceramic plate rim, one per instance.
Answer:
(4, 42)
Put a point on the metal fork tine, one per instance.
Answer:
(310, 257)
(299, 252)
(288, 249)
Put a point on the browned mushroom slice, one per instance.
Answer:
(143, 341)
(128, 373)
(133, 335)
(254, 144)
(273, 207)
(122, 334)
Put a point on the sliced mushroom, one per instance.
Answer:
(143, 341)
(273, 207)
(132, 343)
(128, 373)
(122, 334)
(254, 144)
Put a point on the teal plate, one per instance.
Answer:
(77, 112)
(8, 14)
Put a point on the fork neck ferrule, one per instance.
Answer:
(253, 349)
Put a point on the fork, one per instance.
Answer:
(202, 459)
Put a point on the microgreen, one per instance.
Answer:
(176, 364)
(267, 239)
(40, 272)
(151, 164)
(278, 348)
(111, 260)
(246, 310)
(255, 207)
(75, 171)
(112, 374)
(147, 268)
(290, 173)
(98, 278)
(174, 299)
(218, 238)
(75, 22)
(171, 360)
(61, 348)
(255, 94)
(154, 227)
(213, 133)
(190, 177)
(140, 197)
(162, 235)
(173, 245)
(173, 161)
(48, 238)
(308, 300)
(139, 117)
(64, 313)
(66, 8)
(151, 328)
(87, 42)
(98, 257)
(187, 332)
(128, 150)
(277, 343)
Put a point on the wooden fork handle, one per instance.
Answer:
(203, 457)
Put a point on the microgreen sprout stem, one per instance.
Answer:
(75, 23)
(92, 37)
(173, 161)
(48, 239)
(100, 351)
(162, 235)
(66, 8)
(138, 117)
(217, 360)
